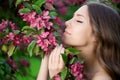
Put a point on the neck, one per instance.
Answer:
(91, 66)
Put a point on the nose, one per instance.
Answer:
(67, 23)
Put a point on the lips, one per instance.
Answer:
(66, 32)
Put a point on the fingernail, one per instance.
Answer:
(61, 45)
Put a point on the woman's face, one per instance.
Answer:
(78, 30)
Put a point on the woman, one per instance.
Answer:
(95, 30)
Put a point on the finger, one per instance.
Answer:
(51, 57)
(56, 56)
(61, 64)
(62, 52)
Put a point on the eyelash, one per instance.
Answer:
(79, 21)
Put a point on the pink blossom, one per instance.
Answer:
(74, 2)
(13, 26)
(52, 39)
(17, 40)
(24, 62)
(57, 20)
(76, 69)
(48, 25)
(63, 10)
(59, 4)
(45, 15)
(12, 63)
(57, 77)
(50, 1)
(3, 25)
(44, 34)
(29, 16)
(10, 36)
(25, 39)
(79, 77)
(33, 23)
(43, 43)
(116, 1)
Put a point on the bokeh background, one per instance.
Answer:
(29, 66)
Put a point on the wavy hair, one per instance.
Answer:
(105, 22)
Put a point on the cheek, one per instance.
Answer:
(80, 38)
(77, 38)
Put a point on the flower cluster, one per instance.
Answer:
(10, 34)
(32, 27)
(32, 31)
(74, 66)
(41, 22)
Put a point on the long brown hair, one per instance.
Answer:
(105, 22)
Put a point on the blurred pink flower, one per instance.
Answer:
(3, 25)
(58, 20)
(17, 40)
(49, 1)
(44, 34)
(76, 69)
(28, 16)
(13, 26)
(116, 1)
(74, 2)
(52, 39)
(24, 62)
(25, 39)
(42, 42)
(48, 25)
(63, 10)
(45, 15)
(57, 77)
(10, 36)
(79, 77)
(13, 64)
(59, 3)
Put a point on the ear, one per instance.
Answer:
(93, 39)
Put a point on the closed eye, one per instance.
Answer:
(79, 21)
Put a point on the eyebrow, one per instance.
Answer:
(78, 15)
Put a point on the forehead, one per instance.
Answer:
(82, 11)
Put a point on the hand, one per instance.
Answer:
(56, 63)
(43, 72)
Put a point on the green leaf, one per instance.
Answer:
(2, 34)
(4, 48)
(41, 30)
(73, 50)
(37, 9)
(16, 31)
(11, 50)
(36, 49)
(18, 2)
(53, 14)
(28, 28)
(11, 3)
(30, 47)
(65, 58)
(24, 10)
(39, 2)
(64, 73)
(73, 60)
(81, 60)
(56, 34)
(27, 5)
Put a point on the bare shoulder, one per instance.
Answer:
(101, 76)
